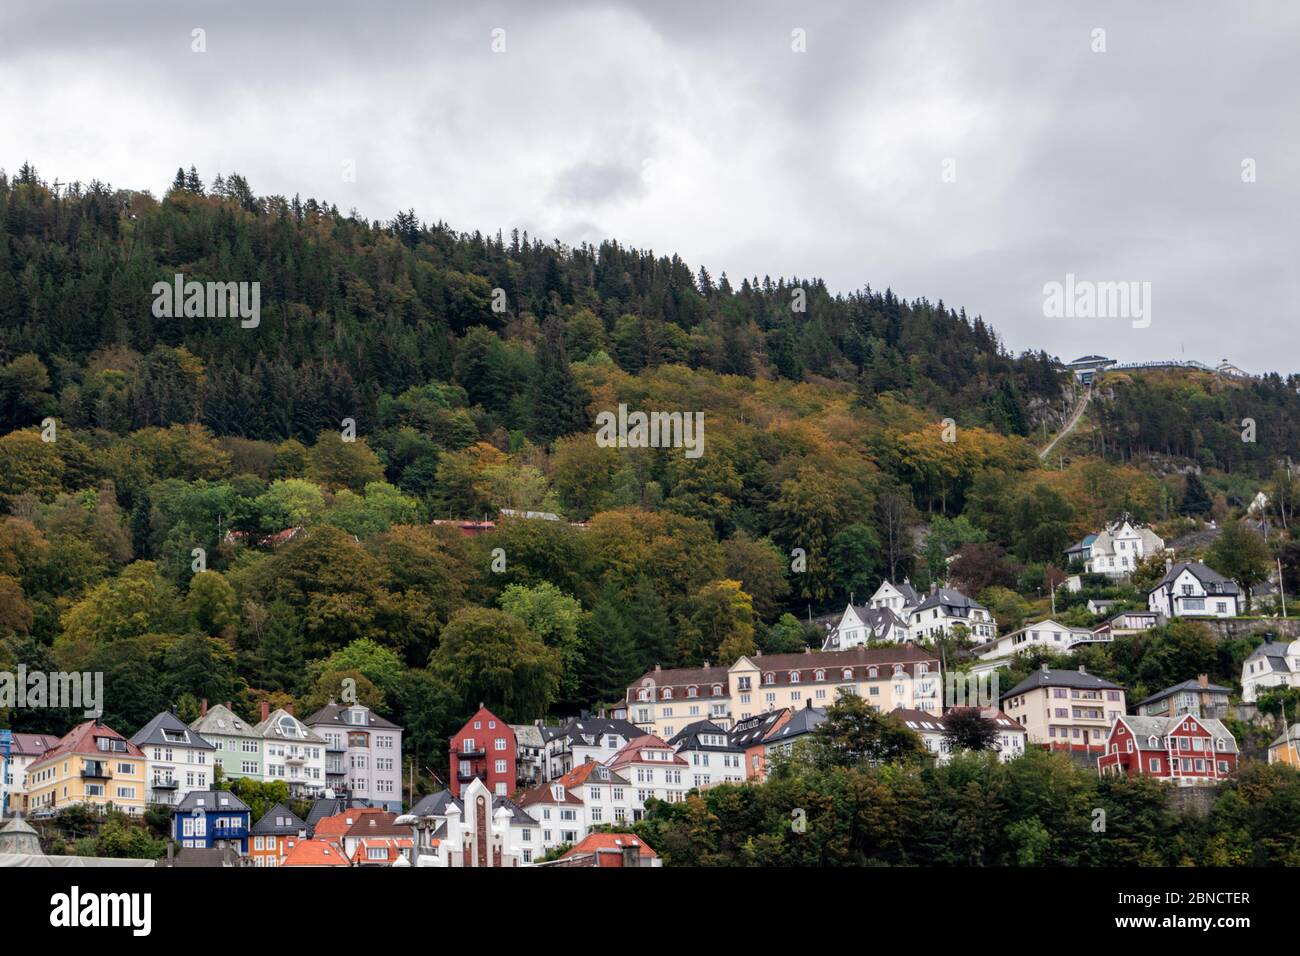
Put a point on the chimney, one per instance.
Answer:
(288, 709)
(658, 668)
(1169, 565)
(203, 707)
(706, 665)
(1203, 680)
(1043, 667)
(266, 709)
(1082, 669)
(230, 707)
(631, 855)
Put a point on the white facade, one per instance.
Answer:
(1118, 549)
(899, 600)
(173, 770)
(1048, 634)
(459, 844)
(1189, 591)
(653, 769)
(942, 611)
(859, 625)
(293, 753)
(1271, 665)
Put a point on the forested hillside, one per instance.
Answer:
(184, 510)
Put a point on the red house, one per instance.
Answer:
(1187, 750)
(485, 747)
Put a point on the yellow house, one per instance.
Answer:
(1286, 749)
(93, 765)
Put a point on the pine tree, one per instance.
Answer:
(649, 625)
(1196, 500)
(179, 181)
(611, 651)
(193, 183)
(559, 403)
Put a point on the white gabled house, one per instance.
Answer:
(1190, 589)
(1272, 664)
(1116, 550)
(866, 623)
(943, 610)
(899, 598)
(1049, 634)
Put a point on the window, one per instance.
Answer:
(819, 675)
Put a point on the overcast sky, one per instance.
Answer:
(696, 128)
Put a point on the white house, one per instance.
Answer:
(713, 756)
(1116, 550)
(1049, 634)
(1193, 590)
(899, 598)
(293, 752)
(566, 808)
(1128, 623)
(866, 623)
(653, 769)
(943, 610)
(1009, 741)
(586, 739)
(1273, 664)
(177, 759)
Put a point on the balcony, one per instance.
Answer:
(295, 758)
(164, 784)
(465, 776)
(467, 753)
(229, 833)
(95, 771)
(332, 748)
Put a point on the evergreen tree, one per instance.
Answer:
(1196, 500)
(559, 403)
(611, 651)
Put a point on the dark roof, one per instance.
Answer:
(1275, 651)
(323, 807)
(1185, 685)
(685, 677)
(332, 714)
(436, 804)
(688, 738)
(578, 729)
(751, 730)
(1211, 580)
(211, 802)
(802, 721)
(1046, 677)
(278, 821)
(152, 733)
(954, 600)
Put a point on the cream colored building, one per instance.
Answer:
(1065, 708)
(663, 702)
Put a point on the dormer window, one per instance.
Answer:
(819, 675)
(872, 672)
(717, 690)
(668, 693)
(769, 678)
(643, 694)
(692, 691)
(794, 677)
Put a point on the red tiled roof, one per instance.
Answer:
(631, 752)
(80, 740)
(32, 745)
(595, 842)
(314, 853)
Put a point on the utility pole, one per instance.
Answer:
(1281, 589)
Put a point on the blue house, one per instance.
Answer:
(212, 818)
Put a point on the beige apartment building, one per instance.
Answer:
(663, 702)
(1065, 709)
